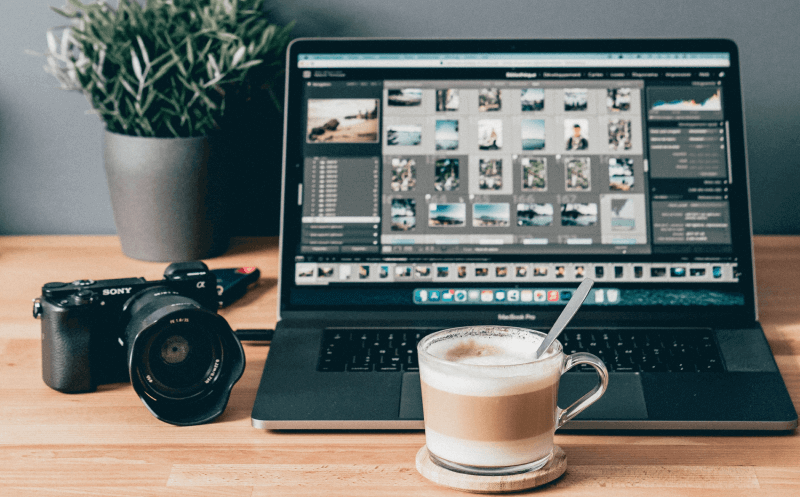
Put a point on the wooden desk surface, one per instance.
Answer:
(107, 443)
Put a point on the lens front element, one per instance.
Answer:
(175, 349)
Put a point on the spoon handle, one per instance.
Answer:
(566, 315)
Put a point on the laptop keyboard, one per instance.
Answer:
(650, 351)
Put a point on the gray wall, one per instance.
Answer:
(51, 173)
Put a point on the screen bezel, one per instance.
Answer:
(741, 232)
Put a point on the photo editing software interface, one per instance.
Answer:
(450, 179)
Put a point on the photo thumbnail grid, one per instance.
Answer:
(493, 159)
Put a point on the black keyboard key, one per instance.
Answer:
(359, 367)
(710, 367)
(330, 365)
(682, 367)
(654, 367)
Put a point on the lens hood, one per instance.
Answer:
(183, 359)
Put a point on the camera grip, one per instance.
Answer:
(66, 337)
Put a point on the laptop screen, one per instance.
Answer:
(499, 179)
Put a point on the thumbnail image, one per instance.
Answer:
(620, 174)
(305, 271)
(363, 272)
(534, 214)
(402, 271)
(619, 134)
(618, 99)
(489, 99)
(407, 97)
(561, 271)
(575, 99)
(534, 174)
(344, 272)
(496, 215)
(447, 215)
(423, 271)
(490, 134)
(325, 272)
(578, 175)
(384, 272)
(580, 271)
(578, 214)
(490, 174)
(540, 270)
(522, 271)
(404, 214)
(442, 271)
(343, 120)
(532, 134)
(623, 214)
(481, 271)
(404, 174)
(446, 100)
(501, 271)
(403, 134)
(462, 271)
(446, 179)
(576, 134)
(446, 135)
(532, 99)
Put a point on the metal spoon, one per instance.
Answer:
(566, 315)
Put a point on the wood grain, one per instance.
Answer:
(106, 443)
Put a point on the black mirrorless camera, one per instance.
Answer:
(164, 336)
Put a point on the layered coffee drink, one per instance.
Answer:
(487, 401)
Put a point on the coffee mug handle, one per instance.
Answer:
(577, 407)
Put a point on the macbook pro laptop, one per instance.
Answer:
(430, 184)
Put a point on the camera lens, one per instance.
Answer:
(175, 349)
(178, 360)
(183, 359)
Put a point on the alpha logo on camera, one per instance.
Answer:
(117, 291)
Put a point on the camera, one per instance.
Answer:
(165, 337)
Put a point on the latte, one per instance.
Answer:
(486, 401)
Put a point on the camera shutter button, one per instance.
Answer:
(83, 282)
(81, 298)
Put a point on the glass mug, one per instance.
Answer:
(488, 408)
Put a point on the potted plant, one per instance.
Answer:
(159, 76)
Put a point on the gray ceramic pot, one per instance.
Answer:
(167, 196)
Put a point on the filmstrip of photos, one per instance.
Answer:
(499, 272)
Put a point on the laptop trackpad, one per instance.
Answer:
(411, 397)
(624, 398)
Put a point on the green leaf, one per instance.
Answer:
(189, 51)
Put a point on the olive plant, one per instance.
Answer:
(162, 69)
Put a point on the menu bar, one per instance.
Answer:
(628, 59)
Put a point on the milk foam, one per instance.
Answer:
(513, 352)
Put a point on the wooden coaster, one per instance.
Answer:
(491, 484)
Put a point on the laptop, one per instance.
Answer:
(431, 184)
